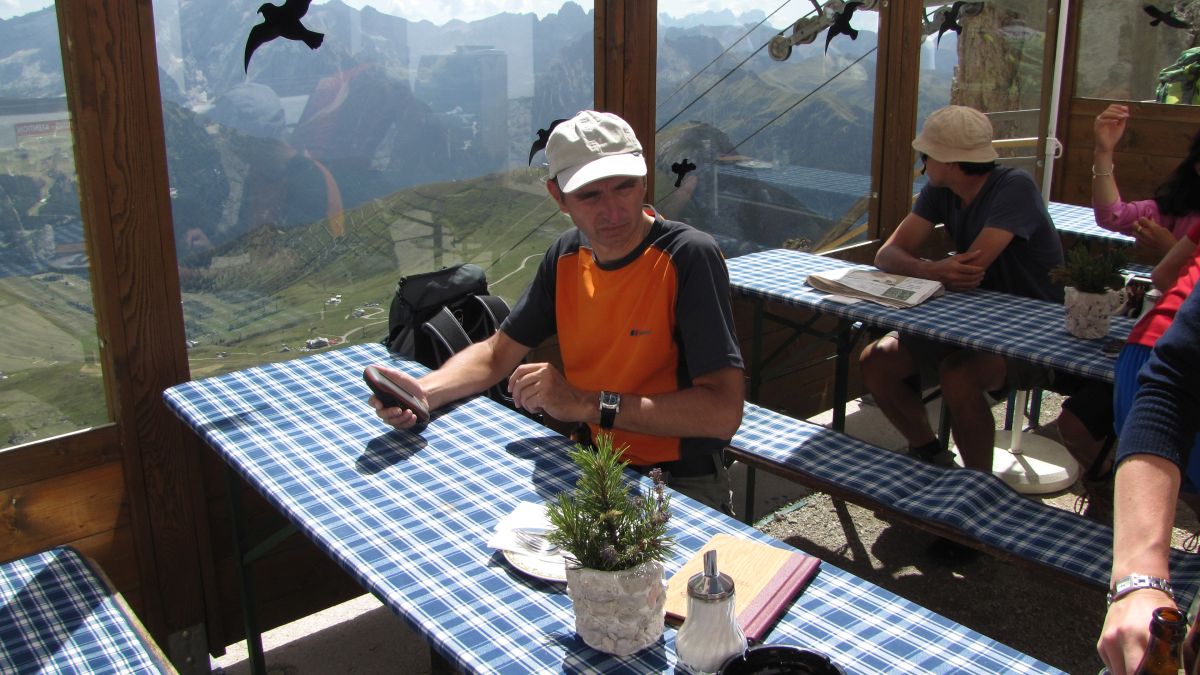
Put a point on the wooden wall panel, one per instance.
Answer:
(113, 551)
(805, 388)
(56, 456)
(294, 581)
(1156, 138)
(1137, 175)
(61, 510)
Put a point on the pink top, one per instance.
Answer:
(1158, 318)
(1120, 217)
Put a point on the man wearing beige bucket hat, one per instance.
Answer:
(1004, 241)
(642, 312)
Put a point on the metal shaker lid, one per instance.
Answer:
(710, 585)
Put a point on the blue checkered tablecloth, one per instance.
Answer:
(58, 616)
(1013, 326)
(978, 504)
(1081, 222)
(408, 514)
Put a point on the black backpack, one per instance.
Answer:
(435, 315)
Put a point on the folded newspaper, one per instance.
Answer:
(892, 290)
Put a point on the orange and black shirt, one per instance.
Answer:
(646, 324)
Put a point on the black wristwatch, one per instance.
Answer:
(610, 405)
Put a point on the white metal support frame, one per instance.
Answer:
(1030, 463)
(1053, 146)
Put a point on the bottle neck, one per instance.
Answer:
(1164, 652)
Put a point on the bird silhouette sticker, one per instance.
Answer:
(682, 169)
(950, 22)
(1168, 17)
(543, 137)
(282, 21)
(841, 24)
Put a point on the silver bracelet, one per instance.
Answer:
(1137, 582)
(1097, 174)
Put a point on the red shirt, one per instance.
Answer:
(1156, 321)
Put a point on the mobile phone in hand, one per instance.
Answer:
(392, 395)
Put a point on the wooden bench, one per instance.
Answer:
(970, 507)
(59, 614)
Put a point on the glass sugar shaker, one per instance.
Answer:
(710, 634)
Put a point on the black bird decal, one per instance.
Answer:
(682, 169)
(282, 21)
(841, 24)
(543, 137)
(950, 22)
(1167, 17)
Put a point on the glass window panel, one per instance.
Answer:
(306, 184)
(781, 145)
(1120, 52)
(995, 64)
(50, 377)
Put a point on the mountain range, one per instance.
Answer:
(387, 103)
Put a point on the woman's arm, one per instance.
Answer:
(1167, 270)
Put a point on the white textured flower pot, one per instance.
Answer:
(618, 612)
(1088, 314)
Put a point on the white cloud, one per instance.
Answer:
(466, 10)
(469, 10)
(11, 8)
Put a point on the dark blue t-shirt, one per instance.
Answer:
(1010, 201)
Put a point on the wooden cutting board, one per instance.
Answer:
(766, 579)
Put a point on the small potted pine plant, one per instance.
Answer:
(1095, 288)
(616, 542)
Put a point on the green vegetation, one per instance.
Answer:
(1091, 272)
(280, 293)
(600, 524)
(244, 301)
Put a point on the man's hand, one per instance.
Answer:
(1109, 127)
(1126, 630)
(395, 416)
(539, 387)
(1154, 237)
(957, 273)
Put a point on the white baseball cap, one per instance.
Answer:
(590, 146)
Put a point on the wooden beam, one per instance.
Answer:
(111, 74)
(626, 58)
(897, 76)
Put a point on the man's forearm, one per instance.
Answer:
(712, 409)
(1146, 486)
(895, 260)
(468, 372)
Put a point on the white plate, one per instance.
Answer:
(547, 567)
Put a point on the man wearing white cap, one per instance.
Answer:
(1003, 241)
(642, 312)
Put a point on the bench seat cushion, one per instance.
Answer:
(978, 505)
(58, 615)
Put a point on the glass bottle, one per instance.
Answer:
(710, 634)
(1164, 654)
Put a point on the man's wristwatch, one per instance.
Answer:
(610, 405)
(1137, 582)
